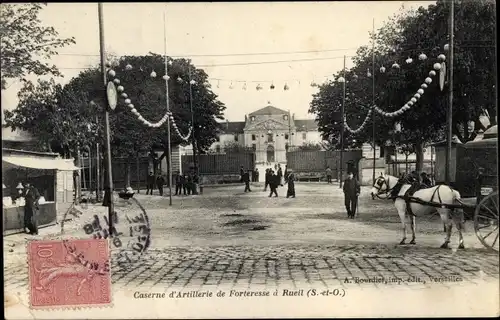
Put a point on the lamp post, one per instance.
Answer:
(341, 165)
(195, 160)
(449, 116)
(106, 119)
(169, 145)
(373, 100)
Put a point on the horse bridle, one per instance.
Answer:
(381, 181)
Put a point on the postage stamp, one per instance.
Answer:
(69, 273)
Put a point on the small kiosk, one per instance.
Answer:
(49, 173)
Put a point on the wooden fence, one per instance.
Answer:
(227, 163)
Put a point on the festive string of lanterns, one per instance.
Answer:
(407, 106)
(168, 115)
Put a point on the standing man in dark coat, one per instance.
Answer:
(256, 175)
(242, 172)
(31, 197)
(150, 182)
(425, 181)
(267, 177)
(178, 183)
(246, 179)
(184, 180)
(351, 190)
(280, 176)
(274, 182)
(189, 183)
(291, 184)
(286, 173)
(160, 181)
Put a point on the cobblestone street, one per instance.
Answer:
(249, 240)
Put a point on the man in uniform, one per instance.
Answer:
(150, 182)
(328, 175)
(351, 190)
(246, 180)
(160, 181)
(31, 197)
(274, 182)
(267, 177)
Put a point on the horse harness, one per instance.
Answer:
(408, 198)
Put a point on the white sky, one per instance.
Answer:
(226, 28)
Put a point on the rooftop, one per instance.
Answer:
(268, 111)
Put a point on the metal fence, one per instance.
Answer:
(319, 160)
(225, 163)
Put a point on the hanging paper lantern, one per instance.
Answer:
(258, 87)
(406, 107)
(422, 57)
(446, 47)
(437, 66)
(179, 79)
(120, 88)
(414, 100)
(395, 66)
(420, 91)
(140, 118)
(423, 86)
(128, 67)
(397, 127)
(416, 95)
(382, 69)
(131, 106)
(192, 82)
(153, 74)
(166, 77)
(245, 86)
(124, 95)
(170, 62)
(441, 57)
(231, 85)
(409, 60)
(127, 101)
(112, 73)
(410, 103)
(428, 80)
(286, 87)
(134, 111)
(272, 86)
(116, 81)
(341, 80)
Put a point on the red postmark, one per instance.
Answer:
(69, 273)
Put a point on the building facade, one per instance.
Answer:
(269, 131)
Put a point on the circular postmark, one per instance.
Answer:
(128, 227)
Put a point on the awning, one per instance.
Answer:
(40, 163)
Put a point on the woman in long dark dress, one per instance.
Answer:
(291, 184)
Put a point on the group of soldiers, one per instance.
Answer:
(273, 180)
(184, 183)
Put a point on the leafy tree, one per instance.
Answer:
(310, 146)
(25, 41)
(408, 34)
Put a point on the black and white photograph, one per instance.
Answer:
(250, 159)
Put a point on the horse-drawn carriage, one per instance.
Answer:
(477, 176)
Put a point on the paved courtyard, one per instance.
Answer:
(226, 238)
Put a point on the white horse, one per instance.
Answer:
(422, 202)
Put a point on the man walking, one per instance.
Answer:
(267, 177)
(273, 184)
(31, 197)
(256, 175)
(242, 172)
(328, 175)
(246, 179)
(160, 181)
(150, 182)
(351, 190)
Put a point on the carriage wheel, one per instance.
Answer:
(486, 221)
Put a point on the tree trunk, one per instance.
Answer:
(106, 201)
(406, 162)
(138, 173)
(419, 151)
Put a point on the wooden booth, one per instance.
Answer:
(49, 173)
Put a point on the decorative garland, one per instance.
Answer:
(407, 106)
(168, 115)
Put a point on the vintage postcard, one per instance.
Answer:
(250, 159)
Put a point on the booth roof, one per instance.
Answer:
(37, 162)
